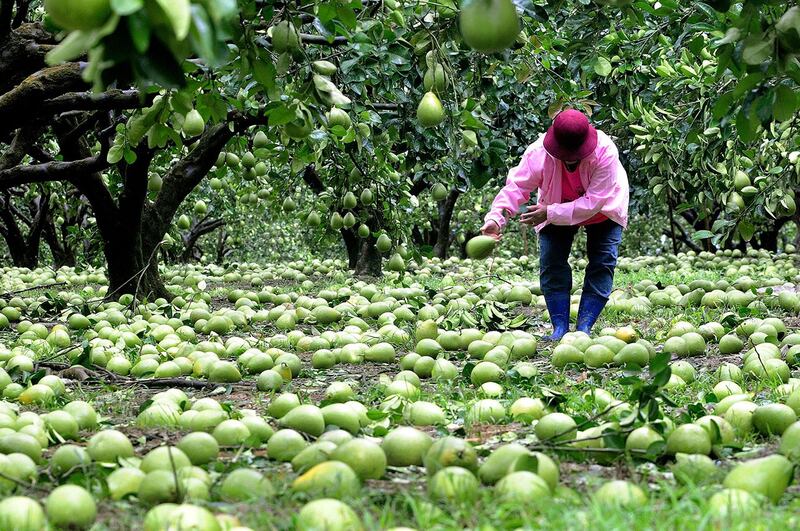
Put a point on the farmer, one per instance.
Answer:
(581, 183)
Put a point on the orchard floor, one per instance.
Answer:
(401, 497)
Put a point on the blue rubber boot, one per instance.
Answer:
(558, 308)
(589, 310)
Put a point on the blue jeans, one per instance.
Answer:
(602, 246)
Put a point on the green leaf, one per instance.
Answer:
(126, 7)
(720, 224)
(179, 14)
(747, 83)
(376, 414)
(201, 35)
(139, 30)
(346, 16)
(659, 362)
(702, 235)
(731, 36)
(602, 66)
(746, 124)
(281, 116)
(656, 449)
(71, 47)
(115, 154)
(746, 230)
(785, 103)
(284, 61)
(756, 49)
(264, 73)
(129, 156)
(613, 439)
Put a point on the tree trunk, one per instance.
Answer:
(369, 259)
(769, 240)
(24, 250)
(443, 237)
(131, 269)
(63, 254)
(222, 248)
(22, 53)
(352, 244)
(21, 255)
(133, 229)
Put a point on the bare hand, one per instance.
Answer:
(534, 216)
(492, 228)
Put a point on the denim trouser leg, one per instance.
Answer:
(602, 247)
(555, 243)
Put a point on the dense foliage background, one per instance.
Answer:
(255, 149)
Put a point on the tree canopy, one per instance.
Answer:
(364, 119)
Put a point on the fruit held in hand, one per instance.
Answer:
(480, 247)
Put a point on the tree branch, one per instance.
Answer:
(23, 53)
(199, 229)
(11, 232)
(20, 145)
(182, 179)
(306, 38)
(684, 237)
(91, 101)
(14, 210)
(311, 178)
(42, 205)
(52, 171)
(134, 191)
(17, 104)
(383, 106)
(90, 184)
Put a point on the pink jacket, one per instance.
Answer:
(602, 176)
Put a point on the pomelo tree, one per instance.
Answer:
(369, 120)
(180, 99)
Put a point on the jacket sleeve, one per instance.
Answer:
(521, 181)
(601, 190)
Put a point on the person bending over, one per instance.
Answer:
(581, 183)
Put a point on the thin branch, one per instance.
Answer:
(43, 286)
(384, 106)
(684, 237)
(51, 171)
(306, 38)
(91, 101)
